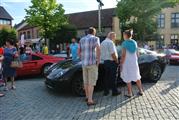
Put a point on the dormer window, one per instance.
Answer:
(5, 22)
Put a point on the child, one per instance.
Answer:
(129, 63)
(1, 59)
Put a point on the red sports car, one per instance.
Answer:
(172, 55)
(36, 64)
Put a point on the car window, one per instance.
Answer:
(142, 51)
(34, 57)
(25, 57)
(65, 65)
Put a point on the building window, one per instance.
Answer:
(1, 21)
(175, 20)
(25, 36)
(8, 22)
(5, 22)
(174, 39)
(20, 35)
(160, 42)
(37, 33)
(32, 33)
(28, 35)
(161, 21)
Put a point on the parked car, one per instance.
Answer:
(151, 64)
(62, 54)
(172, 55)
(171, 51)
(37, 63)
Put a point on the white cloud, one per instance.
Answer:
(109, 3)
(16, 1)
(72, 6)
(16, 7)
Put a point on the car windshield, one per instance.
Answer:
(142, 51)
(145, 51)
(63, 52)
(171, 51)
(65, 64)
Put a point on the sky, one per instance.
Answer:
(16, 7)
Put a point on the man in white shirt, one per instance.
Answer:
(110, 58)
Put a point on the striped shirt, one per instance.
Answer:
(88, 49)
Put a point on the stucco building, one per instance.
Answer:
(30, 33)
(168, 26)
(82, 21)
(167, 23)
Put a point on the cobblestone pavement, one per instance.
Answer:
(32, 101)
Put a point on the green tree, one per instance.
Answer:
(6, 34)
(65, 34)
(140, 15)
(48, 15)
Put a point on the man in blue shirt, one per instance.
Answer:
(74, 49)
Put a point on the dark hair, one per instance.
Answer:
(22, 50)
(11, 42)
(91, 30)
(129, 33)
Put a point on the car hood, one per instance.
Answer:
(48, 56)
(57, 70)
(66, 64)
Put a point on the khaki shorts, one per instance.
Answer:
(90, 75)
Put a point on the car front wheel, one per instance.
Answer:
(77, 86)
(155, 72)
(45, 68)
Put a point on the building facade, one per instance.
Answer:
(30, 33)
(168, 26)
(167, 23)
(5, 19)
(82, 21)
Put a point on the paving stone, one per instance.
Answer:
(32, 101)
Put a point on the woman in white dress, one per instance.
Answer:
(129, 63)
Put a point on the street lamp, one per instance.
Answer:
(99, 15)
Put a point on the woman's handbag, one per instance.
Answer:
(16, 64)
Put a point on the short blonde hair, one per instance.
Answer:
(110, 34)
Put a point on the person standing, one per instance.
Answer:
(28, 49)
(110, 57)
(74, 49)
(57, 50)
(45, 49)
(129, 63)
(68, 50)
(89, 52)
(10, 53)
(1, 59)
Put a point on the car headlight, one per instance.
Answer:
(52, 66)
(55, 74)
(59, 74)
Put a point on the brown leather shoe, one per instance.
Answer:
(1, 95)
(91, 103)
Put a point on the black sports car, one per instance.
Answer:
(69, 73)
